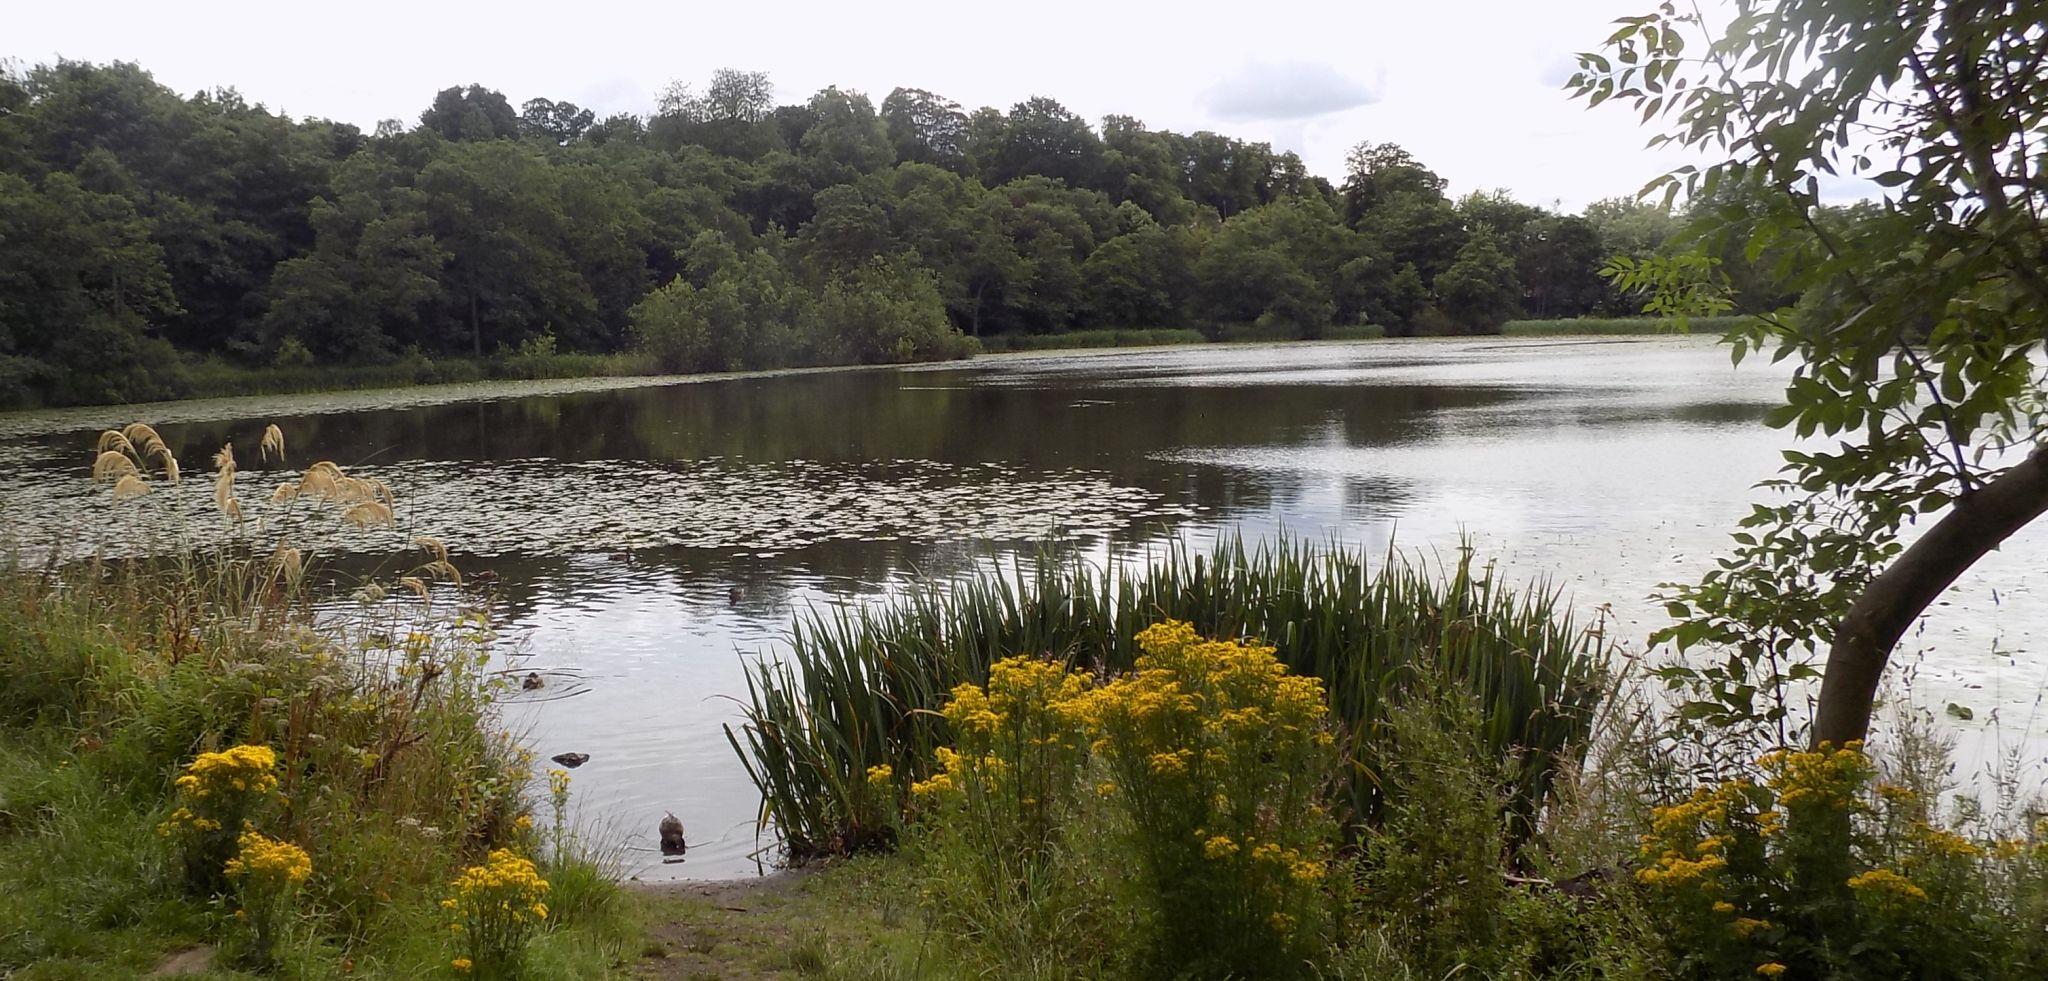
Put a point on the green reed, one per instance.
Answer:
(860, 687)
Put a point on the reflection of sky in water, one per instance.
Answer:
(648, 539)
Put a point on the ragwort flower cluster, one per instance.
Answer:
(1215, 752)
(266, 874)
(1772, 875)
(219, 796)
(1016, 760)
(495, 908)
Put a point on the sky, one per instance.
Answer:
(1473, 88)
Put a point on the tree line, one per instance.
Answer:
(140, 229)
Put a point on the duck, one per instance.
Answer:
(672, 842)
(571, 760)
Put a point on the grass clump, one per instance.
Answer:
(862, 688)
(197, 754)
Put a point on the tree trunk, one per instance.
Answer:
(1863, 642)
(476, 327)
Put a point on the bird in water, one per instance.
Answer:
(571, 760)
(672, 842)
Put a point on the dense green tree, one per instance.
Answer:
(847, 140)
(373, 277)
(485, 228)
(560, 123)
(81, 288)
(926, 128)
(1479, 291)
(888, 311)
(1038, 138)
(744, 311)
(473, 113)
(1376, 174)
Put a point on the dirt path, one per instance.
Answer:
(735, 928)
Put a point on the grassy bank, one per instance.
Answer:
(1615, 327)
(215, 378)
(192, 765)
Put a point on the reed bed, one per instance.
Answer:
(860, 687)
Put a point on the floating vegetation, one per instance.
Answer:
(550, 507)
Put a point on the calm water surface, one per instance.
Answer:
(646, 538)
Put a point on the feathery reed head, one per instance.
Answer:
(273, 442)
(130, 486)
(369, 514)
(224, 493)
(416, 584)
(224, 459)
(142, 437)
(321, 480)
(284, 492)
(112, 465)
(112, 440)
(170, 464)
(432, 546)
(289, 563)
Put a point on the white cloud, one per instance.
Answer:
(1286, 90)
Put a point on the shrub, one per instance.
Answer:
(1820, 870)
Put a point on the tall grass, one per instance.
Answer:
(860, 687)
(393, 772)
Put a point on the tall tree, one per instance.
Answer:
(473, 113)
(559, 123)
(1917, 337)
(926, 128)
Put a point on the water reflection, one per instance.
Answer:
(644, 541)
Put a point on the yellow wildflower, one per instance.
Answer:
(1886, 881)
(1770, 969)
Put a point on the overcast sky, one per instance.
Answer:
(1471, 87)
